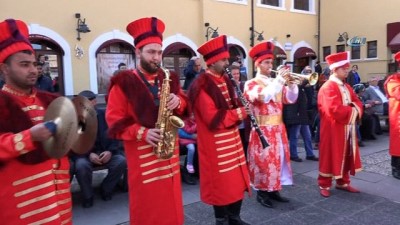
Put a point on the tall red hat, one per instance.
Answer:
(214, 50)
(263, 50)
(146, 31)
(340, 59)
(397, 57)
(13, 38)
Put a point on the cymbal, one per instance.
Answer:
(61, 111)
(87, 125)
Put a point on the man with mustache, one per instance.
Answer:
(223, 172)
(34, 188)
(132, 111)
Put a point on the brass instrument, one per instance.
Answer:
(298, 78)
(166, 122)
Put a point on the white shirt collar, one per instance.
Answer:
(335, 79)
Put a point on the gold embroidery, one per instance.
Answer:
(231, 160)
(161, 177)
(18, 137)
(160, 169)
(66, 221)
(37, 187)
(263, 120)
(32, 107)
(230, 153)
(226, 140)
(38, 118)
(33, 177)
(146, 155)
(144, 147)
(232, 167)
(43, 209)
(19, 146)
(226, 147)
(223, 134)
(48, 219)
(60, 171)
(48, 195)
(155, 161)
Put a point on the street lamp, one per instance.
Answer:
(343, 37)
(253, 33)
(209, 30)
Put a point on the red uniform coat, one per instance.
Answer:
(270, 167)
(34, 189)
(223, 169)
(155, 195)
(392, 86)
(339, 109)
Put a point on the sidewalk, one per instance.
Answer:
(379, 202)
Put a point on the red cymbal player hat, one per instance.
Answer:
(13, 38)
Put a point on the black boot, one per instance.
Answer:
(275, 195)
(234, 213)
(396, 167)
(221, 221)
(236, 220)
(263, 199)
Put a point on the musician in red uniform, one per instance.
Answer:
(340, 110)
(269, 167)
(223, 170)
(34, 188)
(154, 184)
(392, 87)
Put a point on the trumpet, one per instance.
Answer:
(298, 78)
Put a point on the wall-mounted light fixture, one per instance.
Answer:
(253, 34)
(81, 26)
(343, 37)
(209, 30)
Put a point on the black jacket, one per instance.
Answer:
(296, 113)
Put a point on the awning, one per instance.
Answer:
(279, 53)
(393, 36)
(305, 52)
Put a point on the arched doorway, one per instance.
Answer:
(53, 53)
(108, 56)
(176, 56)
(302, 58)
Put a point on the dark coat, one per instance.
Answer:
(296, 113)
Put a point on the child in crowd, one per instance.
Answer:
(188, 138)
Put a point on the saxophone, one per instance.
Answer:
(166, 122)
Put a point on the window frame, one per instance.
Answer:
(240, 2)
(352, 52)
(311, 6)
(280, 7)
(368, 49)
(323, 52)
(340, 46)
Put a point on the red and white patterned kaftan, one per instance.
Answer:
(270, 167)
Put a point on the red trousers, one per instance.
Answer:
(348, 168)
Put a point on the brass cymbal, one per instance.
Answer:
(87, 125)
(61, 111)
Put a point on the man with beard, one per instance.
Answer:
(223, 170)
(132, 111)
(34, 188)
